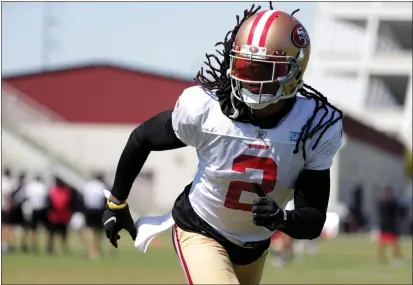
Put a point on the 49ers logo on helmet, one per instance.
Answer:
(253, 49)
(300, 37)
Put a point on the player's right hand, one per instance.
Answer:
(115, 218)
(265, 210)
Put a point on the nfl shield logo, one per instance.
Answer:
(261, 134)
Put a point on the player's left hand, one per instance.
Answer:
(265, 212)
(115, 218)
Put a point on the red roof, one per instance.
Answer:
(104, 93)
(101, 93)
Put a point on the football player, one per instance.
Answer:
(256, 139)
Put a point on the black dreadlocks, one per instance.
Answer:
(222, 84)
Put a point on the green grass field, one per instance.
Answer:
(346, 260)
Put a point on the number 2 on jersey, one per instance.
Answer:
(240, 164)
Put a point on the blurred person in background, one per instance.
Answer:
(78, 221)
(388, 213)
(36, 191)
(17, 218)
(59, 211)
(405, 204)
(94, 203)
(290, 248)
(355, 219)
(6, 200)
(285, 253)
(255, 140)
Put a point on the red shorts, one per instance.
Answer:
(385, 237)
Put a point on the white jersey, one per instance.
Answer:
(36, 192)
(233, 155)
(290, 205)
(93, 194)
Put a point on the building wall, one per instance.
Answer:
(98, 147)
(17, 153)
(362, 65)
(366, 165)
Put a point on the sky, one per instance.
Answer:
(171, 37)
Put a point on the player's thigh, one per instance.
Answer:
(251, 274)
(33, 222)
(203, 260)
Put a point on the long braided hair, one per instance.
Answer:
(221, 83)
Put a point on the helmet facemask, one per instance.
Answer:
(258, 79)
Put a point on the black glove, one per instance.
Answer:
(115, 218)
(265, 212)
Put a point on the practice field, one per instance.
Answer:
(346, 260)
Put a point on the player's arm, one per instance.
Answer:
(312, 189)
(167, 130)
(311, 197)
(155, 134)
(311, 194)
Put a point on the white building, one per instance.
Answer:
(362, 61)
(369, 160)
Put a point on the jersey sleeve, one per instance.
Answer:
(187, 118)
(321, 157)
(290, 205)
